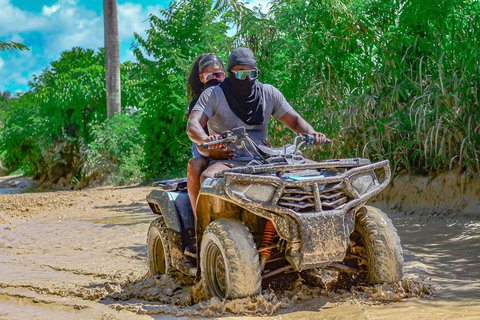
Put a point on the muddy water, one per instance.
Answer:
(449, 249)
(90, 262)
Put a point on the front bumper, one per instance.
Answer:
(316, 224)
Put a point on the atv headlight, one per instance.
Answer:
(254, 192)
(363, 182)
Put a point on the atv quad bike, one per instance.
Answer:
(278, 214)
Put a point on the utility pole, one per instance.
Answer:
(112, 58)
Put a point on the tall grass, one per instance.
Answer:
(406, 88)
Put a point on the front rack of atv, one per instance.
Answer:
(279, 169)
(327, 195)
(354, 168)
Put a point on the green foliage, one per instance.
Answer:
(47, 130)
(182, 32)
(11, 46)
(383, 79)
(116, 154)
(71, 94)
(19, 135)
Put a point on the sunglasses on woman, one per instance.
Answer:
(243, 74)
(220, 75)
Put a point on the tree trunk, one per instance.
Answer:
(112, 58)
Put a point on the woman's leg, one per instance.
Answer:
(194, 169)
(212, 169)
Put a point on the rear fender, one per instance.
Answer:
(175, 208)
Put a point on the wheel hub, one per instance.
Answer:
(216, 271)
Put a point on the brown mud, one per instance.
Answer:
(82, 254)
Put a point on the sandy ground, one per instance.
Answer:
(82, 254)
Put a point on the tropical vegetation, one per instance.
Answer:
(383, 79)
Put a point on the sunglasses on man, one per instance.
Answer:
(243, 74)
(220, 75)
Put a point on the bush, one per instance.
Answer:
(46, 132)
(116, 154)
(382, 79)
(185, 30)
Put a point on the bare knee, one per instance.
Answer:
(211, 170)
(191, 167)
(196, 165)
(206, 174)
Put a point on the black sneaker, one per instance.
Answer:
(191, 251)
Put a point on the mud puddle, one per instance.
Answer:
(447, 249)
(90, 262)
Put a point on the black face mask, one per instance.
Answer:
(245, 98)
(211, 83)
(245, 87)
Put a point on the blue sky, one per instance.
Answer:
(49, 27)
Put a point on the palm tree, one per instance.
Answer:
(5, 96)
(10, 46)
(112, 57)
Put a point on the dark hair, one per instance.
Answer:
(194, 85)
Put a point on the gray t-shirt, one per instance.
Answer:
(213, 103)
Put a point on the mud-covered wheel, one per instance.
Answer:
(158, 253)
(376, 245)
(229, 260)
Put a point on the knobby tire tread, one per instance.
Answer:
(385, 246)
(161, 227)
(240, 255)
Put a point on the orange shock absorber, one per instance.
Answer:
(267, 240)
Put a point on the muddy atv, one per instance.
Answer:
(280, 213)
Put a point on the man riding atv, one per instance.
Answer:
(241, 101)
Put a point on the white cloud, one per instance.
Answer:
(2, 63)
(64, 24)
(134, 18)
(19, 79)
(59, 27)
(263, 4)
(19, 68)
(14, 20)
(16, 38)
(48, 11)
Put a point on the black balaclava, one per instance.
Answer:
(244, 97)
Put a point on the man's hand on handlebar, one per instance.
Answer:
(320, 138)
(217, 151)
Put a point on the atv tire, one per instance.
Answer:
(158, 252)
(229, 261)
(382, 254)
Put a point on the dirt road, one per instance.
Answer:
(82, 255)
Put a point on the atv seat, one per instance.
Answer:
(171, 185)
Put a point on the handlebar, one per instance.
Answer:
(309, 140)
(225, 140)
(262, 153)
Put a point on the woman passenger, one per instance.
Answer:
(206, 71)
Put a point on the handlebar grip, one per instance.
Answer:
(206, 144)
(310, 139)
